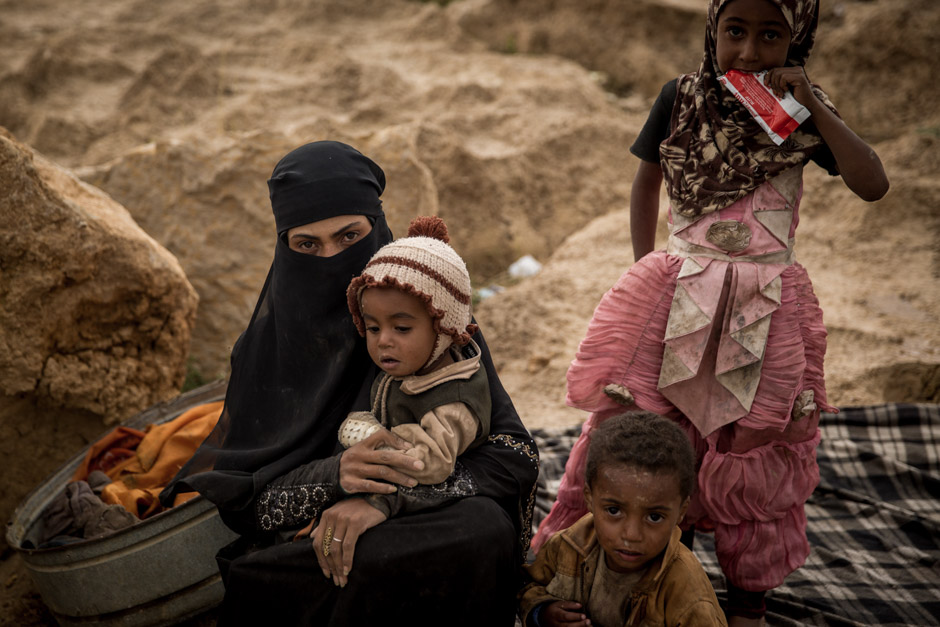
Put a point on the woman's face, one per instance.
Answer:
(752, 36)
(326, 238)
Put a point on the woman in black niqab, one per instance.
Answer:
(292, 367)
(445, 554)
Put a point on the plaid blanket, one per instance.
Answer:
(874, 520)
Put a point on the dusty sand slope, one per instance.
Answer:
(875, 265)
(179, 110)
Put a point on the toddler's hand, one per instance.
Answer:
(567, 613)
(370, 467)
(783, 79)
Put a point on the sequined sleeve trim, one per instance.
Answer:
(460, 483)
(289, 506)
(525, 448)
(525, 520)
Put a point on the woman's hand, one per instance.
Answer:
(563, 613)
(368, 467)
(336, 534)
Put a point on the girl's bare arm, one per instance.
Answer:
(860, 167)
(644, 208)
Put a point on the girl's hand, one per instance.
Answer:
(783, 79)
(368, 467)
(860, 167)
(566, 613)
(340, 526)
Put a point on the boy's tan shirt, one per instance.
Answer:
(674, 591)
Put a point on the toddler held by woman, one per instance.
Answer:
(412, 304)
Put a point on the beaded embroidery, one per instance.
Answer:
(459, 483)
(523, 448)
(526, 449)
(288, 506)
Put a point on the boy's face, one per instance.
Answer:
(752, 36)
(399, 331)
(635, 512)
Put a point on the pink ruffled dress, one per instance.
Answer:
(723, 333)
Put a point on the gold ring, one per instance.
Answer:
(327, 540)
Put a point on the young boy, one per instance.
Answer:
(412, 303)
(622, 563)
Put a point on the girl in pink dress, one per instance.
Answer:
(722, 331)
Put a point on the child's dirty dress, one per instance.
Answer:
(722, 331)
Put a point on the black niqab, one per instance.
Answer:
(300, 366)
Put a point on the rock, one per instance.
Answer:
(95, 315)
(210, 209)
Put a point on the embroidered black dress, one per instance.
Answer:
(449, 553)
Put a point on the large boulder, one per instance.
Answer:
(210, 209)
(95, 315)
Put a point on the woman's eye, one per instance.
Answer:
(308, 247)
(350, 236)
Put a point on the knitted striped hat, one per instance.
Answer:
(423, 265)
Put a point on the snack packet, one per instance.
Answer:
(778, 116)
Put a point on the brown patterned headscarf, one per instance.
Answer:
(717, 153)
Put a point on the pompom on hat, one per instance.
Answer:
(424, 265)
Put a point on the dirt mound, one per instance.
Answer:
(95, 316)
(875, 265)
(637, 46)
(514, 152)
(871, 57)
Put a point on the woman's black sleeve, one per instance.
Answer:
(506, 466)
(290, 501)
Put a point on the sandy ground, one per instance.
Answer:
(493, 115)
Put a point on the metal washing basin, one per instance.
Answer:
(157, 572)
